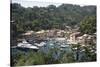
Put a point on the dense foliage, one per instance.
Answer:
(20, 58)
(85, 53)
(88, 25)
(37, 18)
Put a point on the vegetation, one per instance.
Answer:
(88, 25)
(38, 58)
(37, 18)
(50, 17)
(20, 58)
(67, 58)
(88, 53)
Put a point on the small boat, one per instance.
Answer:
(25, 44)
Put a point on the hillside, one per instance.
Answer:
(37, 18)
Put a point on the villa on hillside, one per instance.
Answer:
(51, 33)
(85, 39)
(73, 37)
(28, 33)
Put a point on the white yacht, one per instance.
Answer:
(25, 44)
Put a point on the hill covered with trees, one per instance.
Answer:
(37, 18)
(47, 18)
(88, 25)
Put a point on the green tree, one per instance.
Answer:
(67, 58)
(49, 17)
(88, 25)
